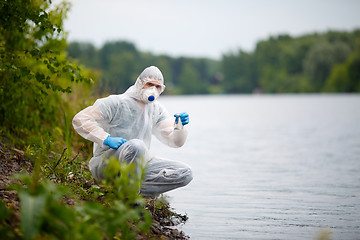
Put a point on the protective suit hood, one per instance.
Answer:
(150, 74)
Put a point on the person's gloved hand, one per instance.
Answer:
(184, 117)
(114, 142)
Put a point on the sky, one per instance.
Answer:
(204, 28)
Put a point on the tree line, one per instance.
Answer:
(120, 63)
(326, 62)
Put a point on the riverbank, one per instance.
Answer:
(13, 161)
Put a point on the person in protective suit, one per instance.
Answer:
(121, 126)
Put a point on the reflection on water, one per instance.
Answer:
(269, 166)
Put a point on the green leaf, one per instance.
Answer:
(39, 76)
(32, 210)
(4, 212)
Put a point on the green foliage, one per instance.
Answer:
(121, 63)
(345, 77)
(123, 177)
(281, 64)
(44, 214)
(32, 208)
(34, 71)
(338, 80)
(285, 64)
(240, 72)
(59, 164)
(67, 134)
(5, 230)
(189, 80)
(36, 110)
(321, 58)
(124, 207)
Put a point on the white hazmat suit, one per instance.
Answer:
(132, 117)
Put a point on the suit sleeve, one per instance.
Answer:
(86, 123)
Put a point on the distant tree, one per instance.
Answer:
(121, 73)
(120, 64)
(164, 64)
(320, 60)
(114, 48)
(345, 77)
(189, 80)
(354, 74)
(86, 53)
(239, 73)
(338, 80)
(279, 64)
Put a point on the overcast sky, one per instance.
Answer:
(204, 28)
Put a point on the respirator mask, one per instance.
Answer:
(149, 95)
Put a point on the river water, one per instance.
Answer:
(269, 166)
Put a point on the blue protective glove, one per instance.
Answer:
(114, 142)
(184, 117)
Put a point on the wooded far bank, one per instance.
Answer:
(326, 62)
